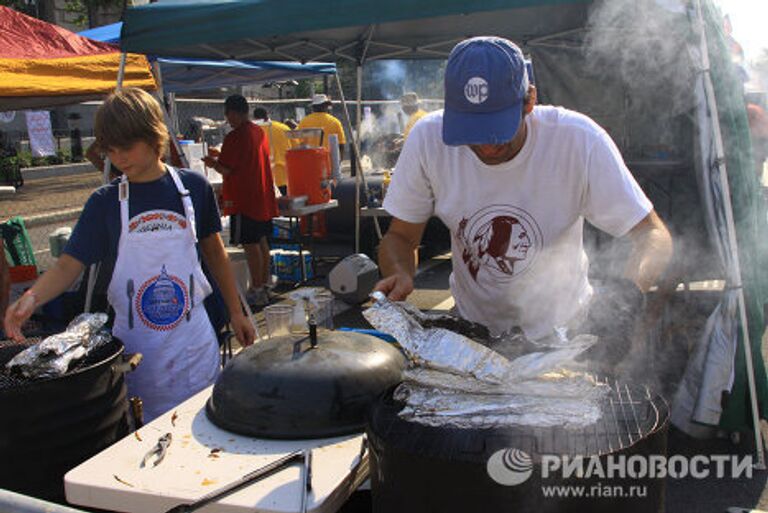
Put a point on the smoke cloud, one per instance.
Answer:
(641, 44)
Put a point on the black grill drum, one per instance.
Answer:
(49, 426)
(425, 469)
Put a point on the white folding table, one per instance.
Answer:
(203, 458)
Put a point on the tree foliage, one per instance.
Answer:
(84, 11)
(27, 8)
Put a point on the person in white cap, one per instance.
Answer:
(514, 183)
(323, 119)
(409, 102)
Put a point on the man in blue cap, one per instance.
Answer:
(514, 182)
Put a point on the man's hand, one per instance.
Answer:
(651, 251)
(397, 287)
(397, 258)
(243, 329)
(209, 161)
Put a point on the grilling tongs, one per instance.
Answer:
(304, 456)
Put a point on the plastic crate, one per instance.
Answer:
(22, 273)
(284, 230)
(285, 264)
(18, 248)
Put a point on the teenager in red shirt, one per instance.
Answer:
(248, 192)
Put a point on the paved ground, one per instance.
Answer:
(48, 203)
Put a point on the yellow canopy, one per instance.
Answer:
(43, 65)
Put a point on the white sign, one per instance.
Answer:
(40, 133)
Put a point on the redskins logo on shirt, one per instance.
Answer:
(162, 301)
(500, 240)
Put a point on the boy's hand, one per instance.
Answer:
(17, 314)
(243, 329)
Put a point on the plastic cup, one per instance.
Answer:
(324, 311)
(278, 320)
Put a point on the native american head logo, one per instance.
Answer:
(501, 240)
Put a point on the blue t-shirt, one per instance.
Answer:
(97, 233)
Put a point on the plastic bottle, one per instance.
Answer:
(385, 183)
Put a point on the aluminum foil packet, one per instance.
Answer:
(436, 348)
(425, 405)
(459, 379)
(54, 355)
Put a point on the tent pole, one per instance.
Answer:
(93, 269)
(733, 244)
(359, 103)
(121, 71)
(167, 117)
(359, 167)
(359, 178)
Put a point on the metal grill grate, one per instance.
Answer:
(9, 349)
(630, 413)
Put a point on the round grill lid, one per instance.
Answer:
(286, 388)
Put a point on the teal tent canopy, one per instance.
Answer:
(352, 30)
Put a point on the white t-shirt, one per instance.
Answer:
(516, 228)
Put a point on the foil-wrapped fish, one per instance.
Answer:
(448, 351)
(460, 409)
(458, 379)
(437, 348)
(54, 355)
(558, 383)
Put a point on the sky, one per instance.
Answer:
(749, 19)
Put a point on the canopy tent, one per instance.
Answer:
(587, 55)
(357, 31)
(194, 74)
(182, 75)
(331, 30)
(42, 65)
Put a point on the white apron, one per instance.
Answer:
(157, 291)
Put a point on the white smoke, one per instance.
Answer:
(642, 43)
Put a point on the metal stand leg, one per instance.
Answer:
(301, 246)
(311, 224)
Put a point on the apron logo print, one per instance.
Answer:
(162, 301)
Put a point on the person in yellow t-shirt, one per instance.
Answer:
(279, 143)
(322, 118)
(409, 102)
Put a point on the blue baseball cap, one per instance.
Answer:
(486, 80)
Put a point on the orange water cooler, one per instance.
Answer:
(309, 174)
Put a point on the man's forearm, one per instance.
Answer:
(652, 251)
(396, 255)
